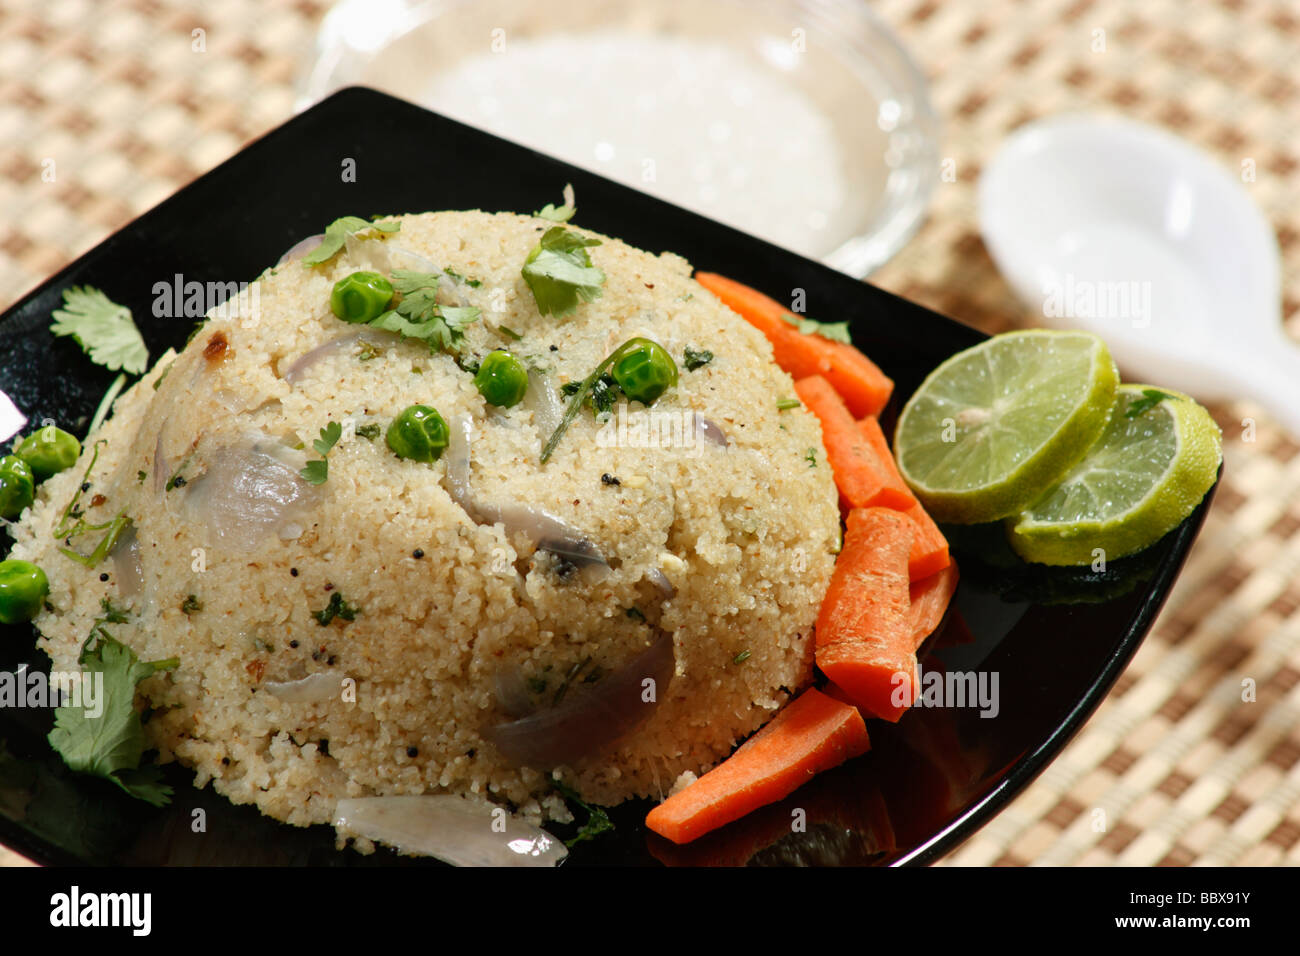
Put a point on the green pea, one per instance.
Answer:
(23, 587)
(419, 433)
(49, 450)
(361, 296)
(644, 370)
(17, 486)
(501, 379)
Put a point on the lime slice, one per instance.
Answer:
(995, 426)
(1150, 468)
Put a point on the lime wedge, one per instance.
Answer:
(1150, 468)
(995, 426)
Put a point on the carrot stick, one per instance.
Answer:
(930, 599)
(864, 387)
(813, 733)
(862, 478)
(929, 546)
(864, 628)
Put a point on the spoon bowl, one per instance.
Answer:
(1123, 229)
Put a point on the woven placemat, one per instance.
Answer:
(108, 107)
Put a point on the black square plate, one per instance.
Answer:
(1056, 640)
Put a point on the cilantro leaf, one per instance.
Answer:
(697, 359)
(598, 820)
(1151, 397)
(329, 437)
(337, 607)
(835, 331)
(559, 272)
(102, 328)
(336, 234)
(112, 744)
(419, 316)
(316, 472)
(559, 213)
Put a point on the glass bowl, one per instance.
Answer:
(804, 123)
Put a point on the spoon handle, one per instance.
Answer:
(1270, 375)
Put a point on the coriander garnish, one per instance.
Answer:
(811, 457)
(418, 315)
(337, 607)
(598, 821)
(559, 272)
(191, 604)
(786, 403)
(336, 234)
(369, 431)
(318, 472)
(697, 359)
(835, 331)
(111, 744)
(102, 328)
(559, 213)
(1151, 397)
(578, 396)
(741, 657)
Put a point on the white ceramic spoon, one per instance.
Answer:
(1110, 225)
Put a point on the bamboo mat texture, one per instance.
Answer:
(1182, 769)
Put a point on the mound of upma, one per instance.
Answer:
(349, 622)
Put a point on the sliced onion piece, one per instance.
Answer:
(660, 580)
(248, 493)
(710, 431)
(545, 530)
(126, 563)
(590, 717)
(301, 248)
(307, 690)
(298, 368)
(512, 692)
(453, 829)
(544, 402)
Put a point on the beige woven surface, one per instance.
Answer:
(1175, 766)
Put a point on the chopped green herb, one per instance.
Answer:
(176, 481)
(635, 614)
(598, 820)
(112, 613)
(102, 328)
(811, 457)
(1151, 397)
(337, 607)
(318, 472)
(369, 431)
(165, 372)
(368, 352)
(604, 393)
(835, 331)
(696, 359)
(419, 316)
(111, 744)
(336, 234)
(191, 604)
(786, 403)
(559, 213)
(741, 657)
(457, 277)
(559, 272)
(467, 364)
(509, 333)
(577, 396)
(140, 476)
